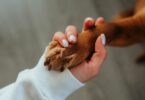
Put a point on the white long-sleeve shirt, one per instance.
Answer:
(40, 84)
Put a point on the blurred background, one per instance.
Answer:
(27, 26)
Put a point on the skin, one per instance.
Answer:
(88, 68)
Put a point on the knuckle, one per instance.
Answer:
(71, 28)
(58, 35)
(89, 18)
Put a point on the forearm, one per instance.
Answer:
(40, 84)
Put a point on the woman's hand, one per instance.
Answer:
(86, 70)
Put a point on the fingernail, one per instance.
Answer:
(100, 19)
(65, 43)
(89, 18)
(72, 38)
(103, 39)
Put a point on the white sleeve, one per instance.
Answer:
(40, 84)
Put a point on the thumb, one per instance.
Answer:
(100, 51)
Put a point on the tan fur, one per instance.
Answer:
(126, 29)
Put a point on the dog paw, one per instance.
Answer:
(58, 58)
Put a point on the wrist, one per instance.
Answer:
(78, 75)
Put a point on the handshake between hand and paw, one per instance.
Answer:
(70, 49)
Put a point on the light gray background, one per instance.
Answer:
(26, 27)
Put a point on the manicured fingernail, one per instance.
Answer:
(65, 43)
(72, 38)
(89, 18)
(103, 39)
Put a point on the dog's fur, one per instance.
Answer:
(126, 29)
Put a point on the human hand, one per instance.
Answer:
(86, 70)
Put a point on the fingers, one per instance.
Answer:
(99, 20)
(61, 38)
(88, 23)
(71, 34)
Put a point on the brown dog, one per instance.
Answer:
(126, 29)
